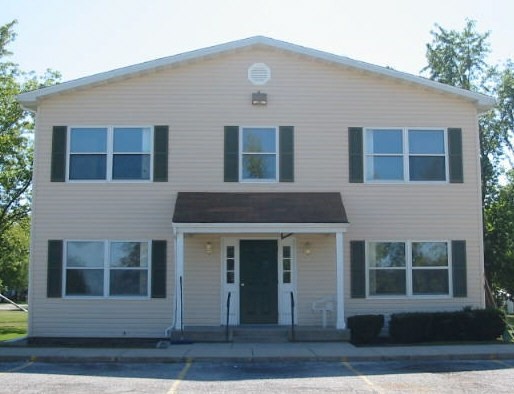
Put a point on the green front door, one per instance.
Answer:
(258, 282)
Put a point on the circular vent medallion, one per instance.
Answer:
(259, 74)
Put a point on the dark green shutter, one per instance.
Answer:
(459, 269)
(286, 142)
(58, 166)
(54, 269)
(455, 155)
(358, 269)
(158, 269)
(231, 162)
(160, 154)
(355, 155)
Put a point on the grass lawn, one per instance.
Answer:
(13, 324)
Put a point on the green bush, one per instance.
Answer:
(365, 328)
(410, 327)
(476, 325)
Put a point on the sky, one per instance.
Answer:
(85, 37)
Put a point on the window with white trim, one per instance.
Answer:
(408, 268)
(107, 268)
(110, 153)
(287, 264)
(405, 154)
(258, 154)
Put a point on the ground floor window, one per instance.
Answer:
(408, 268)
(107, 268)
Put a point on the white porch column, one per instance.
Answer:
(340, 323)
(179, 273)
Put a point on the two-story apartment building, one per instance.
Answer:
(257, 169)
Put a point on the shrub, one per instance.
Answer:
(477, 325)
(365, 328)
(410, 327)
(487, 324)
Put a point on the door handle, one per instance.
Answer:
(242, 285)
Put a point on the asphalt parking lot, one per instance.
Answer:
(493, 376)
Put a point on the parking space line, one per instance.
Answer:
(174, 388)
(19, 368)
(360, 375)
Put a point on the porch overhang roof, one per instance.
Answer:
(300, 212)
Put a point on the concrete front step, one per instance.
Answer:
(243, 334)
(260, 334)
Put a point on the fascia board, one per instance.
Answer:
(254, 228)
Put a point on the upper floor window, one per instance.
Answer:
(259, 154)
(110, 153)
(402, 154)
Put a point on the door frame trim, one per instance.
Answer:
(283, 290)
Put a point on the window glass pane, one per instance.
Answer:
(384, 141)
(433, 281)
(259, 166)
(131, 167)
(286, 252)
(129, 283)
(85, 254)
(427, 168)
(426, 141)
(259, 140)
(129, 254)
(85, 282)
(230, 265)
(230, 277)
(387, 282)
(287, 265)
(132, 139)
(384, 168)
(88, 140)
(88, 166)
(429, 254)
(230, 252)
(386, 254)
(286, 278)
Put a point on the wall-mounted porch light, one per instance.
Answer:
(307, 248)
(259, 98)
(208, 248)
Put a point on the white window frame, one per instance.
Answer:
(107, 270)
(109, 154)
(409, 269)
(406, 155)
(277, 155)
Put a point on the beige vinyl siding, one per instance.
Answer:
(316, 277)
(202, 282)
(197, 100)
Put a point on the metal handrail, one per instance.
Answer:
(292, 317)
(228, 316)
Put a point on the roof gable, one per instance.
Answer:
(30, 99)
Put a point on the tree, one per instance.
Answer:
(460, 59)
(16, 126)
(499, 244)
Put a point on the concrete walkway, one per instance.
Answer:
(248, 352)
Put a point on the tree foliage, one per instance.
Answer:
(459, 58)
(16, 126)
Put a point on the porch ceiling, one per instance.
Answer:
(259, 208)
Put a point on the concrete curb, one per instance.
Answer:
(120, 358)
